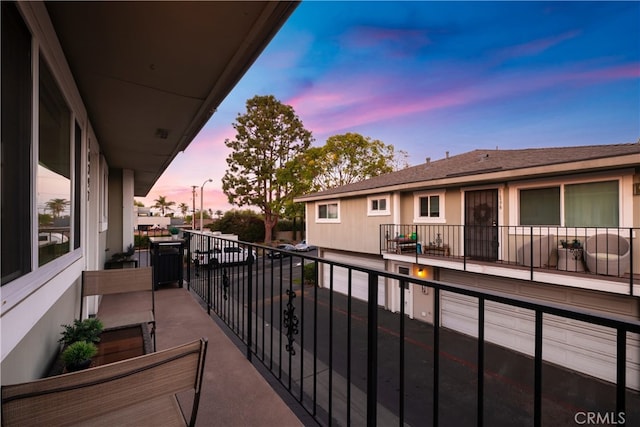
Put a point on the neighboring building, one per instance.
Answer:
(496, 220)
(98, 98)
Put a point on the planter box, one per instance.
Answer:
(570, 259)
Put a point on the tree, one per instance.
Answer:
(219, 213)
(57, 206)
(138, 203)
(184, 208)
(349, 158)
(269, 140)
(163, 204)
(247, 224)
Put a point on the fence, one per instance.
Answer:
(604, 253)
(348, 361)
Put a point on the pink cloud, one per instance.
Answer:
(334, 106)
(537, 46)
(393, 42)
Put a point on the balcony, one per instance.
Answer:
(338, 360)
(592, 258)
(234, 392)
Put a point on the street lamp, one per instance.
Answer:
(201, 197)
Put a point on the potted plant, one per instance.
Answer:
(124, 256)
(78, 355)
(88, 330)
(574, 244)
(174, 232)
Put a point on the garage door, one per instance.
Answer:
(359, 280)
(579, 346)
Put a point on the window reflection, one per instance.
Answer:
(53, 182)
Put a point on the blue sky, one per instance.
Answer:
(432, 77)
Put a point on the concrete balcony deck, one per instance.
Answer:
(234, 393)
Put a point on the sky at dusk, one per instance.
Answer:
(432, 77)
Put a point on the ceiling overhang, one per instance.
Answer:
(151, 74)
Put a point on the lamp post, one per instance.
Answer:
(193, 215)
(201, 202)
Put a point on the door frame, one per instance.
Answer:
(481, 223)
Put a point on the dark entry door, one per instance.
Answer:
(481, 224)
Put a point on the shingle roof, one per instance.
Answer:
(484, 161)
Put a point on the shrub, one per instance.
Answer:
(82, 330)
(310, 273)
(77, 354)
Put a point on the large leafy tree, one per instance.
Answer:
(163, 204)
(269, 138)
(349, 158)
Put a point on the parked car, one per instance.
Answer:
(284, 248)
(227, 255)
(304, 247)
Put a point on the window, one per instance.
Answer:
(40, 191)
(378, 205)
(594, 204)
(53, 177)
(328, 212)
(77, 187)
(429, 207)
(591, 204)
(16, 144)
(540, 206)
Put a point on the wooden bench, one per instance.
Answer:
(132, 392)
(105, 282)
(403, 244)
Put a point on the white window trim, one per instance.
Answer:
(624, 195)
(104, 195)
(379, 212)
(416, 208)
(327, 220)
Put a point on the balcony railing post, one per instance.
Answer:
(249, 304)
(209, 302)
(531, 252)
(631, 258)
(372, 351)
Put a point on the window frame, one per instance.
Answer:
(20, 287)
(440, 219)
(378, 212)
(327, 220)
(515, 197)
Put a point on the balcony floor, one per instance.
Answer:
(234, 393)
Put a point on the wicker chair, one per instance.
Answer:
(539, 251)
(607, 254)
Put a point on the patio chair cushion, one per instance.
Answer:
(607, 254)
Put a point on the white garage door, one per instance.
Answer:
(573, 344)
(359, 280)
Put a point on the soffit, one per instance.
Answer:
(152, 73)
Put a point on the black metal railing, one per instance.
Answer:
(352, 362)
(597, 252)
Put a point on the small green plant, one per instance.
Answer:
(574, 244)
(173, 230)
(82, 330)
(78, 355)
(123, 256)
(310, 273)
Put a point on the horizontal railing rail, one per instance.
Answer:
(597, 252)
(348, 361)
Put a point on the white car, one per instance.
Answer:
(304, 247)
(227, 255)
